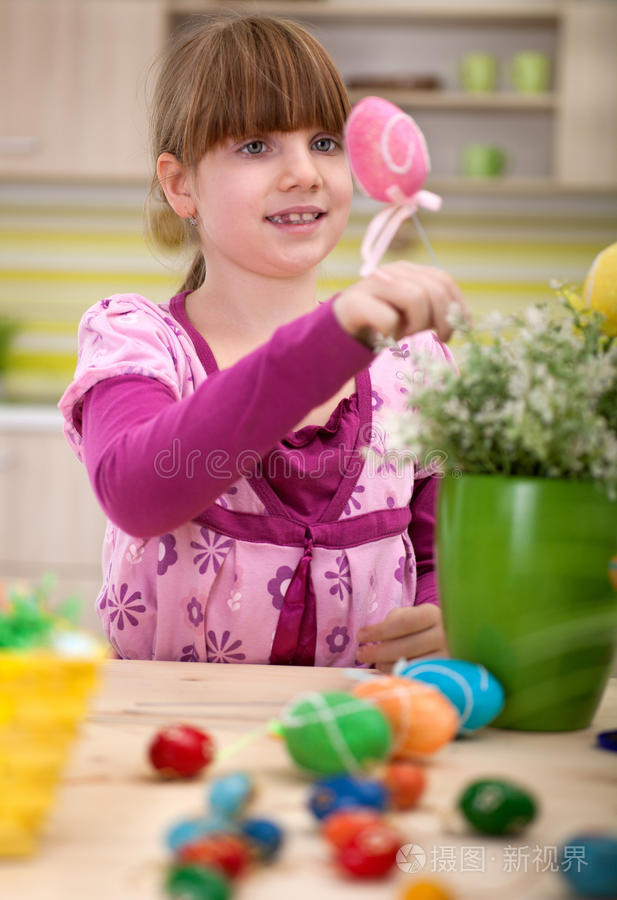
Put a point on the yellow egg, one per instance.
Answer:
(600, 287)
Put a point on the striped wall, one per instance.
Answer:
(56, 260)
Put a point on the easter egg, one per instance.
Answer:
(229, 794)
(421, 718)
(180, 751)
(227, 852)
(344, 791)
(600, 287)
(588, 862)
(476, 694)
(371, 853)
(612, 572)
(425, 890)
(186, 831)
(493, 806)
(343, 825)
(405, 783)
(264, 836)
(196, 883)
(385, 148)
(334, 732)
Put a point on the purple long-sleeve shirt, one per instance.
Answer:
(127, 422)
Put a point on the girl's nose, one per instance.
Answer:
(300, 169)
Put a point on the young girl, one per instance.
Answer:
(226, 431)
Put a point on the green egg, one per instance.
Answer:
(193, 882)
(333, 732)
(493, 806)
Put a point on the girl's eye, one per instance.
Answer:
(325, 144)
(254, 148)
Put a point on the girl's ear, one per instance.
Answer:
(175, 182)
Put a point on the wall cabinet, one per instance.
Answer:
(73, 82)
(50, 519)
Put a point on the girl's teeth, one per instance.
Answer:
(294, 218)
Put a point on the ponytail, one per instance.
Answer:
(197, 273)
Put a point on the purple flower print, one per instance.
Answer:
(338, 639)
(404, 561)
(193, 609)
(213, 550)
(189, 654)
(383, 461)
(402, 352)
(124, 606)
(342, 578)
(376, 401)
(277, 586)
(173, 325)
(89, 328)
(167, 553)
(353, 501)
(221, 651)
(230, 492)
(105, 303)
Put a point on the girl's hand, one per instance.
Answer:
(398, 299)
(407, 632)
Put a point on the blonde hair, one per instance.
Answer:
(229, 79)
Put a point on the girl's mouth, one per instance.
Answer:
(295, 218)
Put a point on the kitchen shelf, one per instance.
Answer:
(502, 101)
(522, 11)
(518, 185)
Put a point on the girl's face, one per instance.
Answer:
(273, 204)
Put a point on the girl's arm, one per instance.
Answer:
(156, 462)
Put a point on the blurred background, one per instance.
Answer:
(517, 100)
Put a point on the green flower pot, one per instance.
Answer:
(523, 570)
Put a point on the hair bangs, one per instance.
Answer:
(265, 75)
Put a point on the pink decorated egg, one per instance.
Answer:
(386, 149)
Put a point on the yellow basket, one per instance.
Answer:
(43, 698)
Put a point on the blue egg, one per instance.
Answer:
(476, 694)
(264, 836)
(188, 830)
(344, 791)
(589, 863)
(229, 794)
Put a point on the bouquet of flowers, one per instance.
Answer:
(536, 395)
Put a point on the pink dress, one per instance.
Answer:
(247, 579)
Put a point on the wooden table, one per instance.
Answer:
(103, 840)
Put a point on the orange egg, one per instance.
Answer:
(406, 783)
(426, 890)
(344, 824)
(421, 717)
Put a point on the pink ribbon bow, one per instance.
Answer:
(382, 227)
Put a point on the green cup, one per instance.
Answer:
(483, 161)
(478, 72)
(523, 569)
(530, 72)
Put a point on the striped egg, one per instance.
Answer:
(476, 694)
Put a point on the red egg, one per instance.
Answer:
(181, 751)
(226, 851)
(371, 853)
(406, 783)
(340, 827)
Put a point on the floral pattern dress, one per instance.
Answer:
(213, 589)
